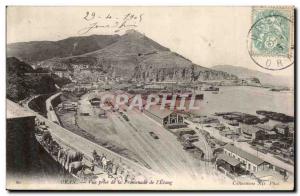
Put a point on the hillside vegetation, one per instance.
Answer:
(20, 85)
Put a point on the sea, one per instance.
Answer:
(246, 99)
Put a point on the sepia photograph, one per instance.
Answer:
(172, 98)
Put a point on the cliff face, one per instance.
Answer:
(263, 78)
(182, 74)
(135, 56)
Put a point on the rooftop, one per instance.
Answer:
(264, 127)
(251, 158)
(13, 110)
(249, 128)
(255, 128)
(232, 161)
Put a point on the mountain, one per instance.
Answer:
(131, 56)
(42, 50)
(264, 78)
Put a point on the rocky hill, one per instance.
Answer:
(264, 78)
(135, 56)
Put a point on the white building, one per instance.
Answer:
(249, 162)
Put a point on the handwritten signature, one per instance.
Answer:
(129, 20)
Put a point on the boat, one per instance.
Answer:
(211, 88)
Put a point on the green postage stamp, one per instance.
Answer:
(271, 35)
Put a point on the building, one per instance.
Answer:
(233, 122)
(272, 135)
(248, 161)
(230, 133)
(258, 132)
(229, 164)
(251, 132)
(167, 118)
(72, 106)
(282, 129)
(61, 72)
(264, 127)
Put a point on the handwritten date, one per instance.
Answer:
(129, 20)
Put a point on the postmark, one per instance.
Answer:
(271, 38)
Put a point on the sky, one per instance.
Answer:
(207, 36)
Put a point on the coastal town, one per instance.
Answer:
(232, 145)
(109, 108)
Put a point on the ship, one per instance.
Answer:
(211, 88)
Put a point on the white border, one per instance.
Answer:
(3, 4)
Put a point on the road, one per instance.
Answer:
(50, 110)
(205, 147)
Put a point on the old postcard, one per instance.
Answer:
(150, 98)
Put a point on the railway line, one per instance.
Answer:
(164, 155)
(73, 141)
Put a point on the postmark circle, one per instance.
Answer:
(270, 42)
